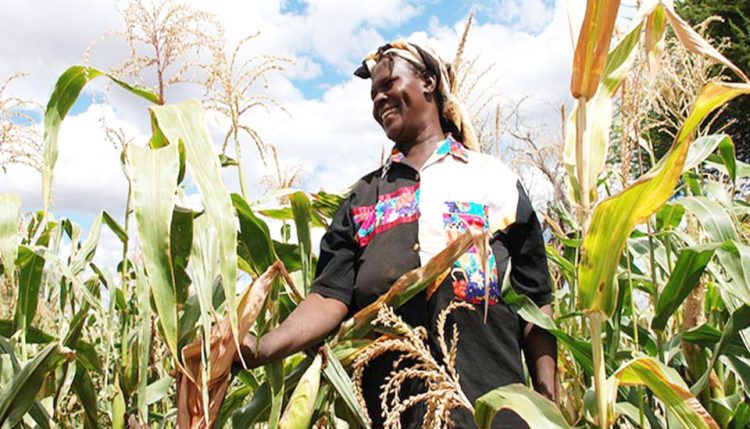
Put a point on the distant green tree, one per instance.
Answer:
(735, 28)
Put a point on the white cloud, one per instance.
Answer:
(88, 176)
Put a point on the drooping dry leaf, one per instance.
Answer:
(190, 411)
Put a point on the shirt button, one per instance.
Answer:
(415, 247)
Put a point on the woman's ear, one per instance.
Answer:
(430, 83)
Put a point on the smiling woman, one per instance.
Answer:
(430, 191)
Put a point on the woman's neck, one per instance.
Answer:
(419, 150)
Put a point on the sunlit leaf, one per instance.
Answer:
(299, 409)
(614, 218)
(66, 92)
(153, 179)
(533, 408)
(666, 385)
(185, 122)
(302, 220)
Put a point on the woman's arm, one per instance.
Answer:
(540, 348)
(313, 319)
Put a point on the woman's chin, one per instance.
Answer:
(392, 131)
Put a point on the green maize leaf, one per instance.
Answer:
(159, 389)
(301, 405)
(37, 412)
(180, 242)
(66, 92)
(656, 29)
(528, 310)
(257, 410)
(153, 179)
(327, 204)
(232, 402)
(256, 245)
(185, 122)
(10, 218)
(286, 213)
(142, 283)
(33, 335)
(302, 220)
(84, 389)
(666, 385)
(701, 148)
(405, 288)
(115, 227)
(290, 255)
(118, 407)
(739, 320)
(204, 260)
(614, 218)
(31, 267)
(740, 366)
(226, 161)
(536, 410)
(75, 327)
(713, 217)
(344, 387)
(87, 356)
(734, 257)
(631, 412)
(685, 276)
(707, 336)
(669, 216)
(275, 376)
(83, 256)
(19, 394)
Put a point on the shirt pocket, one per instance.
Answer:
(467, 276)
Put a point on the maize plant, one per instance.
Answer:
(652, 296)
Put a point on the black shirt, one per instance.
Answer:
(396, 218)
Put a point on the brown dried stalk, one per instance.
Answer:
(190, 407)
(442, 388)
(20, 141)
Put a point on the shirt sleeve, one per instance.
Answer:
(335, 272)
(529, 274)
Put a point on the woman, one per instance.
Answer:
(398, 217)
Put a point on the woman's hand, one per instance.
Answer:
(541, 356)
(313, 319)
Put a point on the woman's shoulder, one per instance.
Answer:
(491, 167)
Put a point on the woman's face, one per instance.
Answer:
(400, 102)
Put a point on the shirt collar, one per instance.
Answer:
(448, 146)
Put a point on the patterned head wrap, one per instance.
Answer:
(453, 113)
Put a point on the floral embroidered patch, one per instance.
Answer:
(395, 208)
(467, 274)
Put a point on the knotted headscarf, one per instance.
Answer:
(452, 110)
